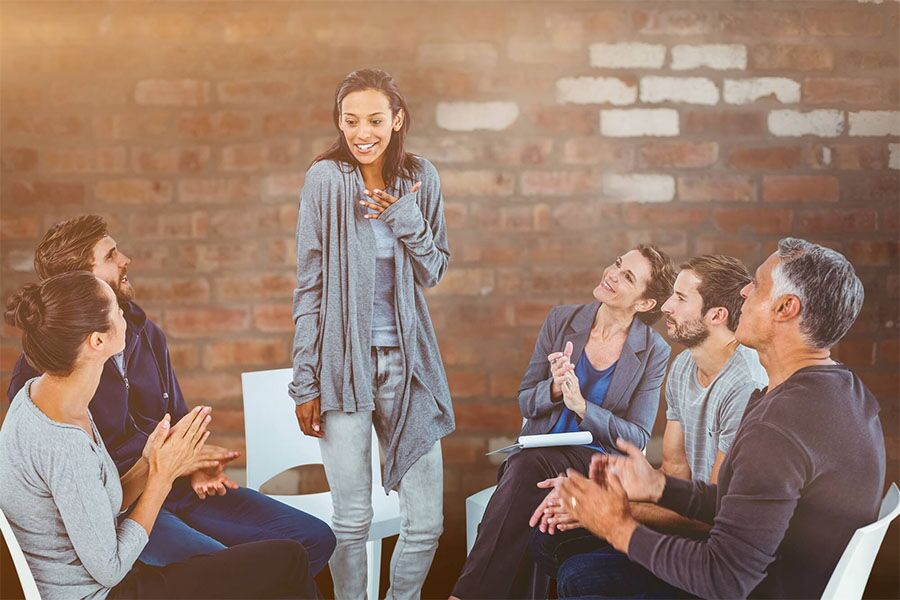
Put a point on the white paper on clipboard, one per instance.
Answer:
(572, 438)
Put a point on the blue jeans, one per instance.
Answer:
(586, 566)
(238, 517)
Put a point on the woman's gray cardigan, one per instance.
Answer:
(631, 402)
(333, 301)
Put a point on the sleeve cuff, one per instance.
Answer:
(676, 494)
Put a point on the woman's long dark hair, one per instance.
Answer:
(397, 162)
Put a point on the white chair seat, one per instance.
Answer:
(276, 444)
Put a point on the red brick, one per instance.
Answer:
(171, 160)
(559, 183)
(855, 59)
(222, 124)
(767, 23)
(139, 126)
(133, 191)
(250, 353)
(8, 357)
(784, 57)
(253, 221)
(765, 221)
(467, 282)
(52, 193)
(169, 225)
(571, 120)
(462, 449)
(44, 125)
(256, 91)
(884, 384)
(298, 121)
(185, 356)
(700, 188)
(284, 185)
(878, 186)
(505, 385)
(273, 318)
(592, 151)
(679, 154)
(875, 253)
(172, 92)
(205, 322)
(19, 159)
(888, 352)
(442, 83)
(173, 290)
(675, 22)
(494, 417)
(477, 183)
(219, 190)
(606, 21)
(800, 188)
(746, 249)
(86, 160)
(227, 422)
(217, 389)
(837, 22)
(707, 123)
(855, 353)
(219, 256)
(838, 90)
(531, 313)
(281, 253)
(890, 219)
(638, 215)
(769, 158)
(272, 286)
(856, 156)
(19, 227)
(836, 220)
(261, 156)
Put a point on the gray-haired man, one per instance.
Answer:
(806, 468)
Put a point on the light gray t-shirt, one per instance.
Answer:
(61, 493)
(710, 416)
(384, 320)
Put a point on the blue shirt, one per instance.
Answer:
(593, 384)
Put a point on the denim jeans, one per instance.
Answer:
(346, 452)
(238, 517)
(586, 566)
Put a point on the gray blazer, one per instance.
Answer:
(632, 400)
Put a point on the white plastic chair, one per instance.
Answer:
(26, 580)
(848, 581)
(276, 444)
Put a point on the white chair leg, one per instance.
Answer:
(373, 564)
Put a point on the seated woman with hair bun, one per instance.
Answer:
(61, 492)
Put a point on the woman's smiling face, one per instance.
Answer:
(367, 124)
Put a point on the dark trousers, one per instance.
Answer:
(499, 566)
(269, 569)
(586, 566)
(191, 527)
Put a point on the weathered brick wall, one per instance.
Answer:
(564, 132)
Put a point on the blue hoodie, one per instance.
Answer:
(126, 409)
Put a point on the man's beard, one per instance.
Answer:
(691, 333)
(124, 291)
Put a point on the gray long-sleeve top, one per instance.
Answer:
(631, 402)
(806, 470)
(333, 305)
(61, 493)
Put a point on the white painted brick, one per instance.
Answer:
(894, 159)
(875, 122)
(468, 53)
(472, 116)
(628, 55)
(595, 90)
(745, 91)
(691, 90)
(638, 122)
(639, 188)
(793, 123)
(714, 56)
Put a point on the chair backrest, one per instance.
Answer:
(274, 440)
(851, 574)
(26, 580)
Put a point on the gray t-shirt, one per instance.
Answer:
(384, 320)
(710, 416)
(61, 493)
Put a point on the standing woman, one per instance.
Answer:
(371, 235)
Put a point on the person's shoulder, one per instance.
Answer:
(683, 361)
(426, 171)
(323, 172)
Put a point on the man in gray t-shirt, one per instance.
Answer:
(710, 382)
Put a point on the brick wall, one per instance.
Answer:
(564, 132)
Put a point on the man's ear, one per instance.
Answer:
(717, 315)
(787, 307)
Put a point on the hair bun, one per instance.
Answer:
(25, 309)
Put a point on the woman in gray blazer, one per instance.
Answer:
(596, 367)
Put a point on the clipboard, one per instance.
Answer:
(572, 438)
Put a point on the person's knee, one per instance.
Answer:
(425, 527)
(352, 521)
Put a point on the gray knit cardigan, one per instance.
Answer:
(333, 301)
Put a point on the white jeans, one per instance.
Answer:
(346, 452)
